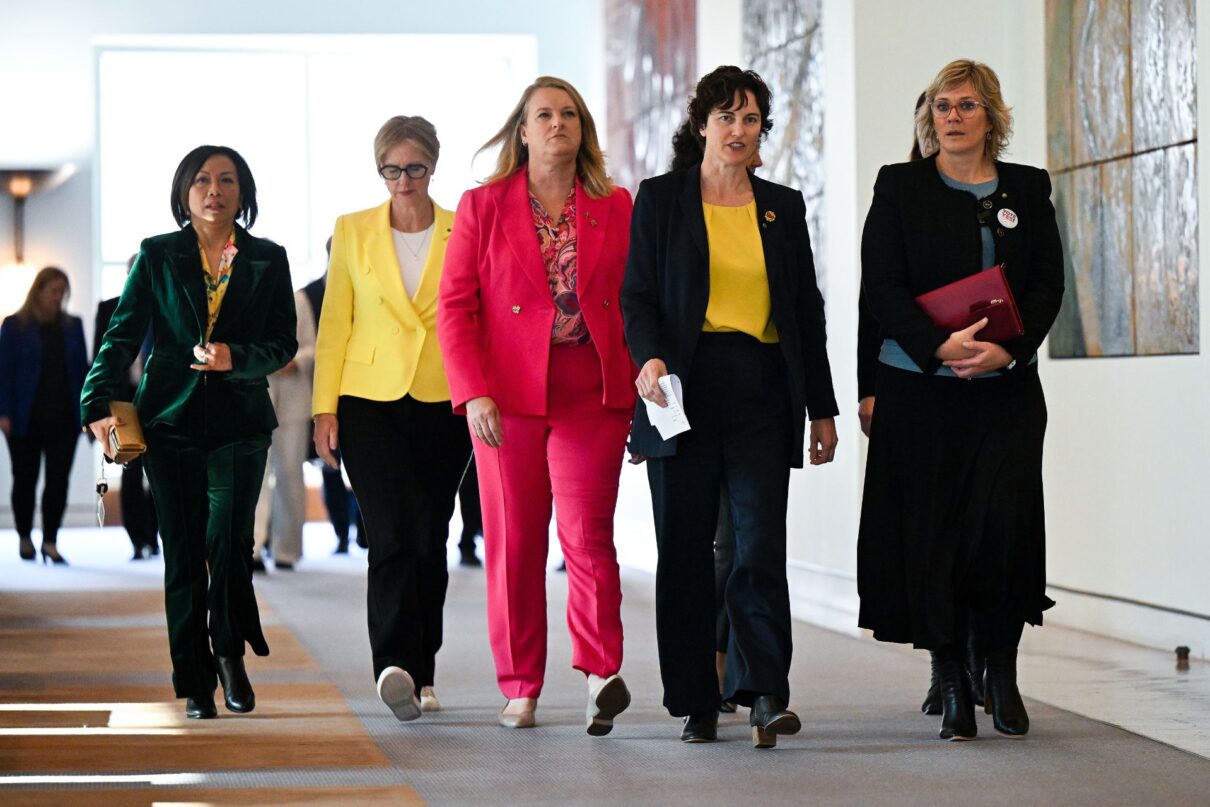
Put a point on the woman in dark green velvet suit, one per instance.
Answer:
(219, 304)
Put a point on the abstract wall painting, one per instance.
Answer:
(783, 42)
(1122, 143)
(651, 69)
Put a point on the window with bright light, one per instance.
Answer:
(303, 111)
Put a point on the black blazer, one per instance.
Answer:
(165, 291)
(921, 234)
(667, 287)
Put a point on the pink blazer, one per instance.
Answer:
(495, 309)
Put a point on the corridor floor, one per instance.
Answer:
(87, 716)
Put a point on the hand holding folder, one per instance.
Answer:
(958, 305)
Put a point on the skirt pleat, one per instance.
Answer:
(952, 515)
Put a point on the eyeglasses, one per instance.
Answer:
(966, 107)
(393, 172)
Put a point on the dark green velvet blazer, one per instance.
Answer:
(165, 292)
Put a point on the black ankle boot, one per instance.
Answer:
(700, 728)
(200, 708)
(769, 718)
(1004, 702)
(237, 689)
(957, 711)
(932, 698)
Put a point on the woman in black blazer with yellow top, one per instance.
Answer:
(219, 303)
(720, 290)
(952, 516)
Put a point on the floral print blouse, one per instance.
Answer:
(557, 243)
(216, 287)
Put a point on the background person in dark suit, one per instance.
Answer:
(220, 306)
(720, 289)
(138, 507)
(42, 364)
(339, 501)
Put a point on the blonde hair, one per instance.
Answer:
(406, 127)
(590, 161)
(987, 87)
(28, 312)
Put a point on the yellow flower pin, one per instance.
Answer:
(770, 216)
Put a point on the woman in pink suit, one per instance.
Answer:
(531, 332)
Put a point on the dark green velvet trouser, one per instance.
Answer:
(205, 498)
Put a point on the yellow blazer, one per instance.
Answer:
(374, 341)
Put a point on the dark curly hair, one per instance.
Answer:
(724, 88)
(192, 163)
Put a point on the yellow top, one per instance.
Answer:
(216, 287)
(374, 340)
(739, 285)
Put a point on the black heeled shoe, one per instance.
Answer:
(957, 711)
(201, 708)
(27, 548)
(700, 728)
(237, 689)
(50, 554)
(769, 718)
(932, 698)
(1003, 699)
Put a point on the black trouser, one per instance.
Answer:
(470, 509)
(405, 459)
(737, 404)
(57, 441)
(138, 507)
(206, 501)
(724, 560)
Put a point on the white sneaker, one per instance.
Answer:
(607, 698)
(396, 689)
(428, 700)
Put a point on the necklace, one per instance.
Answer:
(424, 237)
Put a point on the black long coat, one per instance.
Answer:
(921, 234)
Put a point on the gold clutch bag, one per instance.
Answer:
(126, 441)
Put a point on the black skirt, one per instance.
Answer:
(952, 516)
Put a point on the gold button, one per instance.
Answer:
(395, 329)
(606, 303)
(516, 309)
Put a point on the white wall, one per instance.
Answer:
(47, 98)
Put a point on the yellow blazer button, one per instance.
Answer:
(380, 301)
(516, 309)
(395, 329)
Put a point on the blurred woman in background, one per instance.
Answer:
(43, 360)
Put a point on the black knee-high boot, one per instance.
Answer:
(932, 698)
(1002, 698)
(957, 710)
(976, 655)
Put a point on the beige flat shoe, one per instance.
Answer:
(517, 720)
(607, 698)
(397, 691)
(428, 700)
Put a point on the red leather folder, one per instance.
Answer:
(964, 302)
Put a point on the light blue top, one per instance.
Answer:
(892, 353)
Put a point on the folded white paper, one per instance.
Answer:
(669, 420)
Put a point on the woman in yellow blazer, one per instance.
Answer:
(382, 399)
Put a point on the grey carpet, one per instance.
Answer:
(863, 742)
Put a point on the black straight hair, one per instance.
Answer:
(193, 162)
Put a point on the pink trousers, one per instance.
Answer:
(572, 456)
